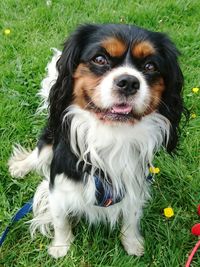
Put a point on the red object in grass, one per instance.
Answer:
(196, 229)
(192, 254)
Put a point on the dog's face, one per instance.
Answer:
(119, 77)
(119, 73)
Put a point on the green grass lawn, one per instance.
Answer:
(24, 53)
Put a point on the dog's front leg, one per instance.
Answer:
(63, 236)
(130, 233)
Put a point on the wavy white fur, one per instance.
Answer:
(48, 81)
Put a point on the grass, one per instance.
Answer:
(35, 28)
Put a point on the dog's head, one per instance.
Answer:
(120, 74)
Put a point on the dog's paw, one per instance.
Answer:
(18, 166)
(133, 246)
(58, 251)
(59, 248)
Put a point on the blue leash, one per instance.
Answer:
(20, 214)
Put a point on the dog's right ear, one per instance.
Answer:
(61, 93)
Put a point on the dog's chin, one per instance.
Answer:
(108, 116)
(112, 116)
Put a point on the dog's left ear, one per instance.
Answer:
(172, 103)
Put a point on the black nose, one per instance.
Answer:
(127, 84)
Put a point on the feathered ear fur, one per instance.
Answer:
(172, 102)
(61, 93)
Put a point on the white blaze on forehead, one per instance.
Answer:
(105, 88)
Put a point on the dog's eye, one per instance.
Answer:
(100, 60)
(150, 67)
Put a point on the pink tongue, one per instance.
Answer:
(121, 109)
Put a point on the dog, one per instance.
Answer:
(114, 99)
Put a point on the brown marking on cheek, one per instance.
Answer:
(114, 47)
(143, 49)
(156, 91)
(85, 86)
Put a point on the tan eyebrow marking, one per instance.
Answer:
(143, 49)
(114, 46)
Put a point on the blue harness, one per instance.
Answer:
(105, 195)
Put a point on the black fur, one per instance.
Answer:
(64, 161)
(79, 48)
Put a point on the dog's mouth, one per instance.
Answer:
(120, 112)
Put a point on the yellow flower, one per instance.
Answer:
(193, 115)
(168, 212)
(154, 170)
(195, 90)
(7, 31)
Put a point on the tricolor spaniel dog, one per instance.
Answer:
(114, 98)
